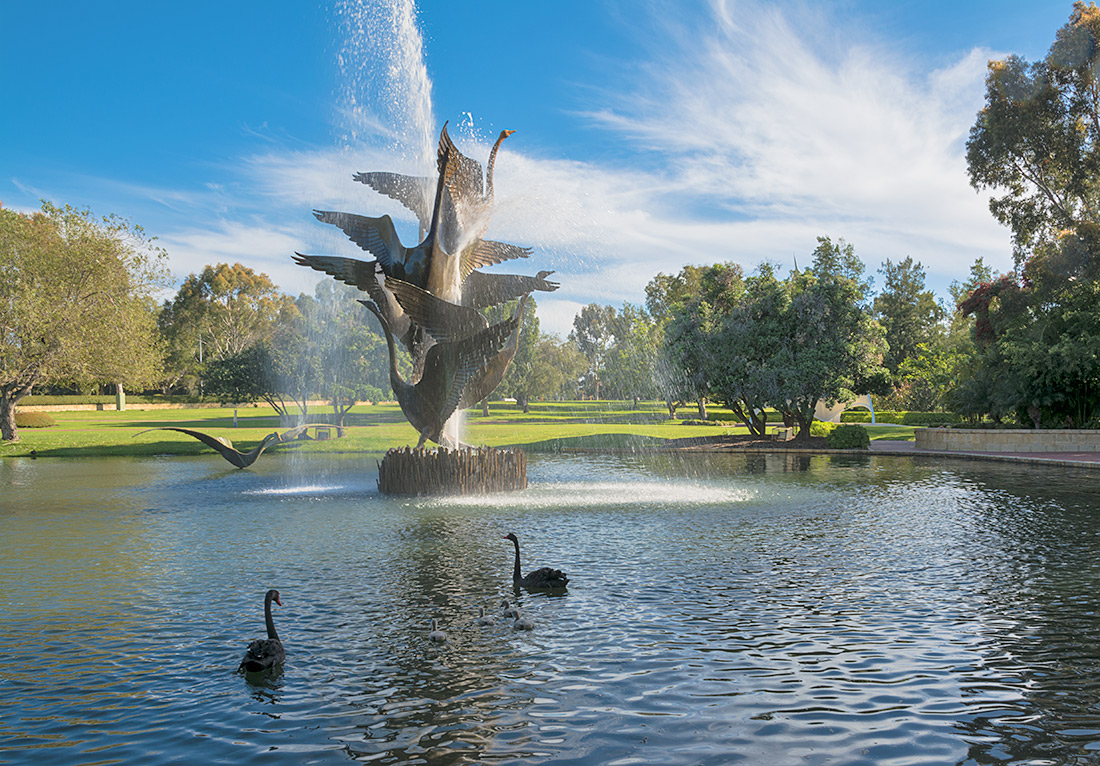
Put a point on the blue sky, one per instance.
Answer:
(649, 134)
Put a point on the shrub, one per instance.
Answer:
(33, 420)
(821, 428)
(901, 417)
(849, 436)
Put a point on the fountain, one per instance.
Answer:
(429, 297)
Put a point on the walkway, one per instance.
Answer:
(1068, 459)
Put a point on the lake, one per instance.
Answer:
(721, 609)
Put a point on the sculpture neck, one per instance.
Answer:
(444, 174)
(516, 572)
(395, 377)
(269, 620)
(491, 165)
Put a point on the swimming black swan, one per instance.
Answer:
(483, 619)
(522, 623)
(265, 653)
(542, 579)
(436, 635)
(509, 610)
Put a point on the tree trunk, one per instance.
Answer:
(8, 431)
(485, 407)
(702, 408)
(671, 408)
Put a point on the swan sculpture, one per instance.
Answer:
(436, 635)
(468, 202)
(224, 447)
(265, 653)
(540, 579)
(448, 368)
(479, 290)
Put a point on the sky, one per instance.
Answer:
(649, 135)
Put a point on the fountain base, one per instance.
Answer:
(466, 471)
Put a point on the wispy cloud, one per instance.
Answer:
(755, 131)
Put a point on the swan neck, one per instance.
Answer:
(395, 377)
(517, 573)
(269, 619)
(489, 167)
(438, 196)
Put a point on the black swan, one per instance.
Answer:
(265, 653)
(522, 623)
(436, 635)
(482, 619)
(542, 579)
(224, 447)
(509, 610)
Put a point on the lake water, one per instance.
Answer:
(721, 609)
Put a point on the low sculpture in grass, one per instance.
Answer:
(428, 297)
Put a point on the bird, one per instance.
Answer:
(265, 653)
(540, 579)
(224, 447)
(482, 619)
(448, 368)
(437, 636)
(509, 610)
(522, 623)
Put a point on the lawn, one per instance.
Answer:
(373, 428)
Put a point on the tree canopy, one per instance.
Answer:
(75, 302)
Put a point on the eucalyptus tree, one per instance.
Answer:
(75, 303)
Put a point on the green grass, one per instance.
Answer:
(548, 427)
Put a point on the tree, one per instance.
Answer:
(630, 365)
(353, 359)
(521, 380)
(1037, 139)
(593, 333)
(834, 348)
(75, 302)
(908, 313)
(697, 301)
(219, 313)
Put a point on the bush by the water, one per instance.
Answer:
(33, 420)
(849, 436)
(821, 428)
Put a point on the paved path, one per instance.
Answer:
(1076, 459)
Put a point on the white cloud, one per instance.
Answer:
(753, 137)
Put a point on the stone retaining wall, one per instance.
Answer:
(1006, 440)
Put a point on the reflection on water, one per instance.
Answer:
(721, 609)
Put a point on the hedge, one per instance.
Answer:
(902, 417)
(33, 420)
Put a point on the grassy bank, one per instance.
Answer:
(371, 428)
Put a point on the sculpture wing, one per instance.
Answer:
(443, 320)
(461, 174)
(350, 271)
(375, 235)
(480, 290)
(487, 252)
(471, 357)
(488, 378)
(219, 444)
(414, 192)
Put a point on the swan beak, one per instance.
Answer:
(278, 601)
